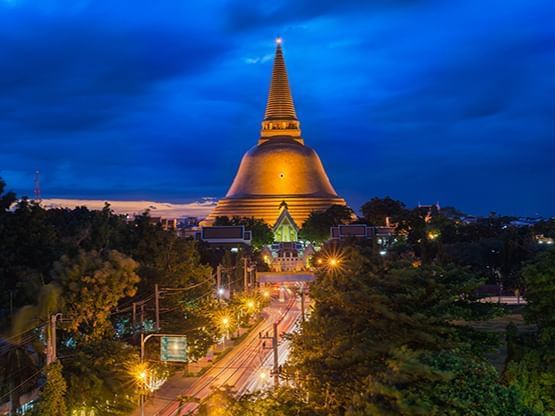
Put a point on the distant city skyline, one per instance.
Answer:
(417, 100)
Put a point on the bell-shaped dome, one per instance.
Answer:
(281, 166)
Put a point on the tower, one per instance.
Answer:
(280, 168)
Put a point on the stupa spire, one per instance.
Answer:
(280, 118)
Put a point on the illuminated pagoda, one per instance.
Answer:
(280, 168)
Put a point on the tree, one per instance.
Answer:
(377, 210)
(438, 383)
(539, 278)
(531, 366)
(24, 357)
(93, 284)
(316, 228)
(100, 378)
(7, 199)
(52, 396)
(284, 401)
(366, 317)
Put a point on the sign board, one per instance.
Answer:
(173, 348)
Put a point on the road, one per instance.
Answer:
(245, 368)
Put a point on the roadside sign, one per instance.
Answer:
(173, 348)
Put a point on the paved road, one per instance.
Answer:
(245, 368)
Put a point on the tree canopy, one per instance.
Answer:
(316, 228)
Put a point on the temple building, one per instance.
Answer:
(280, 180)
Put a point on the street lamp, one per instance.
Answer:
(333, 262)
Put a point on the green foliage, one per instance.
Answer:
(52, 397)
(376, 210)
(284, 401)
(531, 366)
(446, 383)
(93, 284)
(370, 328)
(533, 376)
(539, 277)
(164, 258)
(49, 302)
(99, 378)
(6, 198)
(316, 228)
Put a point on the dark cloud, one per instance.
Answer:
(422, 100)
(243, 15)
(64, 73)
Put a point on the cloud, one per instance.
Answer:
(243, 16)
(159, 100)
(67, 73)
(157, 209)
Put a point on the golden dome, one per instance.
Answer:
(280, 167)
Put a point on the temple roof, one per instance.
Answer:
(280, 102)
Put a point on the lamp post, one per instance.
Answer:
(143, 372)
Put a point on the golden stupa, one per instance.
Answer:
(280, 167)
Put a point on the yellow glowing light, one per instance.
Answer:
(432, 235)
(250, 304)
(140, 373)
(263, 375)
(333, 260)
(266, 294)
(225, 321)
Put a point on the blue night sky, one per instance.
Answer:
(422, 100)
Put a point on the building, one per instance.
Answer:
(280, 168)
(225, 236)
(288, 256)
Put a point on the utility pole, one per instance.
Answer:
(245, 274)
(276, 362)
(302, 303)
(134, 317)
(274, 347)
(253, 276)
(218, 277)
(51, 345)
(142, 317)
(157, 305)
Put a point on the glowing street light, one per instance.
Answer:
(221, 291)
(333, 262)
(266, 294)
